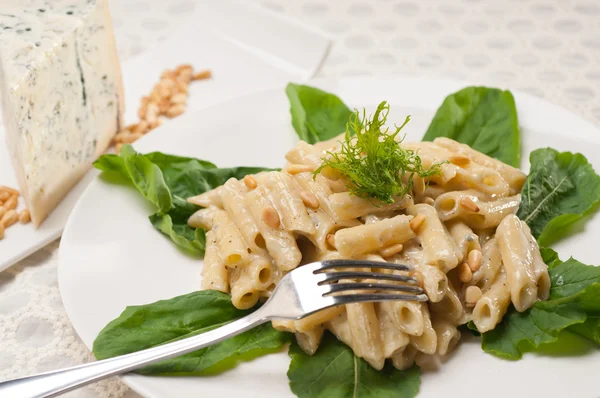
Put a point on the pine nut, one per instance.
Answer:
(143, 109)
(4, 195)
(2, 211)
(205, 74)
(183, 67)
(179, 98)
(472, 295)
(175, 110)
(151, 113)
(181, 86)
(391, 250)
(464, 273)
(474, 259)
(141, 128)
(24, 216)
(186, 75)
(9, 218)
(330, 238)
(11, 191)
(294, 168)
(469, 204)
(416, 222)
(309, 199)
(459, 160)
(1, 232)
(250, 182)
(270, 217)
(11, 203)
(429, 201)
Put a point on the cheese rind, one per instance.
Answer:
(62, 93)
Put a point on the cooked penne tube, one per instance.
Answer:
(232, 247)
(406, 315)
(447, 335)
(214, 272)
(347, 206)
(203, 218)
(439, 248)
(309, 340)
(280, 243)
(514, 177)
(352, 242)
(464, 237)
(491, 307)
(482, 179)
(427, 341)
(393, 339)
(318, 318)
(284, 194)
(517, 258)
(365, 332)
(468, 206)
(233, 198)
(491, 264)
(210, 198)
(450, 307)
(540, 269)
(244, 295)
(305, 154)
(284, 325)
(435, 282)
(405, 358)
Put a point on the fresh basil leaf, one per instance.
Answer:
(574, 299)
(316, 114)
(335, 372)
(167, 181)
(150, 325)
(483, 118)
(561, 188)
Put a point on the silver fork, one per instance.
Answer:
(303, 291)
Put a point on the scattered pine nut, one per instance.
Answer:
(179, 98)
(391, 250)
(11, 191)
(2, 211)
(469, 204)
(205, 74)
(464, 273)
(175, 110)
(270, 217)
(297, 168)
(1, 232)
(309, 199)
(4, 195)
(459, 160)
(250, 182)
(9, 218)
(472, 295)
(416, 222)
(474, 259)
(24, 216)
(11, 203)
(330, 238)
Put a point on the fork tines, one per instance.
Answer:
(404, 289)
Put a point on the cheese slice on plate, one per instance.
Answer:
(62, 93)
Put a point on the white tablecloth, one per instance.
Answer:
(550, 49)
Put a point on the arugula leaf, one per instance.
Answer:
(483, 118)
(574, 304)
(590, 329)
(316, 114)
(561, 188)
(150, 325)
(335, 372)
(167, 181)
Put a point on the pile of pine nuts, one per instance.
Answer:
(9, 201)
(168, 98)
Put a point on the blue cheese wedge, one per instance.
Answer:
(62, 93)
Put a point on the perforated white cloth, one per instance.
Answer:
(549, 48)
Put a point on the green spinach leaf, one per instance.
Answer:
(482, 117)
(561, 188)
(335, 372)
(316, 114)
(150, 325)
(167, 181)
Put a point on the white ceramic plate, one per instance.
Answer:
(111, 257)
(248, 56)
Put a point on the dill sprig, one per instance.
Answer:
(375, 164)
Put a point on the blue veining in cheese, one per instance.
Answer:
(62, 93)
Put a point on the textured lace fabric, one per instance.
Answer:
(548, 48)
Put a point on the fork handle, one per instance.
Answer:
(57, 382)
